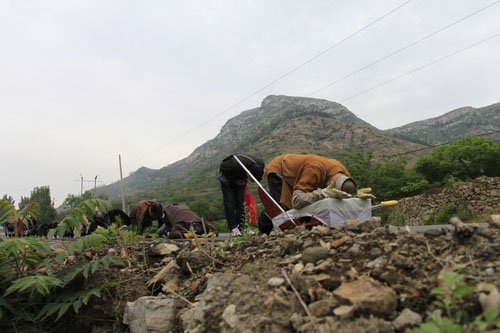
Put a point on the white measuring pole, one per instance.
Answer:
(262, 188)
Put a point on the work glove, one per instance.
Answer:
(332, 192)
(364, 193)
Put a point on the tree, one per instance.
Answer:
(9, 199)
(23, 202)
(41, 195)
(359, 166)
(465, 159)
(389, 179)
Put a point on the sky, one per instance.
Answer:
(84, 82)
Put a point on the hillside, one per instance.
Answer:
(280, 125)
(453, 125)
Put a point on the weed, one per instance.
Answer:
(450, 299)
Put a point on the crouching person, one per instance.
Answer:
(178, 220)
(144, 213)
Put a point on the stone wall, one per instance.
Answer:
(481, 196)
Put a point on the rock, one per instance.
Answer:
(368, 295)
(344, 311)
(163, 249)
(491, 300)
(324, 266)
(191, 318)
(150, 314)
(407, 319)
(370, 224)
(298, 268)
(289, 246)
(339, 242)
(462, 230)
(354, 251)
(275, 282)
(323, 308)
(352, 225)
(378, 261)
(309, 268)
(375, 252)
(230, 316)
(314, 254)
(494, 220)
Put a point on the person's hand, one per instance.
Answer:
(331, 192)
(364, 193)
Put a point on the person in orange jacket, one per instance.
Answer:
(296, 181)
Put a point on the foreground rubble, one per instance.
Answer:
(358, 278)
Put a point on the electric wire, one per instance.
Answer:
(295, 69)
(420, 68)
(402, 49)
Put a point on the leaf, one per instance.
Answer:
(38, 283)
(86, 269)
(95, 265)
(63, 310)
(48, 310)
(60, 257)
(77, 305)
(463, 290)
(451, 279)
(439, 291)
(490, 314)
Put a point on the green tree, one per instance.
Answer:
(9, 199)
(465, 159)
(23, 202)
(360, 166)
(41, 195)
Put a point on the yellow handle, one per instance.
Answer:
(389, 203)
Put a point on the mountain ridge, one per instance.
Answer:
(282, 124)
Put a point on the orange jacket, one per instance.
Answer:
(303, 172)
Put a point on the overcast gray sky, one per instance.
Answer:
(83, 81)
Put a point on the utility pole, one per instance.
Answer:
(95, 186)
(121, 182)
(81, 180)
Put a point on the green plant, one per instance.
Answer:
(35, 285)
(443, 215)
(450, 299)
(74, 221)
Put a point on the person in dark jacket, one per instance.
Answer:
(145, 212)
(233, 179)
(178, 220)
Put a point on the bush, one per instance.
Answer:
(447, 212)
(396, 216)
(221, 226)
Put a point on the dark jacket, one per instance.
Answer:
(175, 214)
(180, 219)
(231, 170)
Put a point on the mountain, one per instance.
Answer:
(282, 124)
(453, 125)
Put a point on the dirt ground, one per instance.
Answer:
(358, 278)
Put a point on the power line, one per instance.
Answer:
(439, 145)
(419, 68)
(277, 80)
(402, 49)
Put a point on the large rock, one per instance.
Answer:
(314, 254)
(151, 314)
(368, 296)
